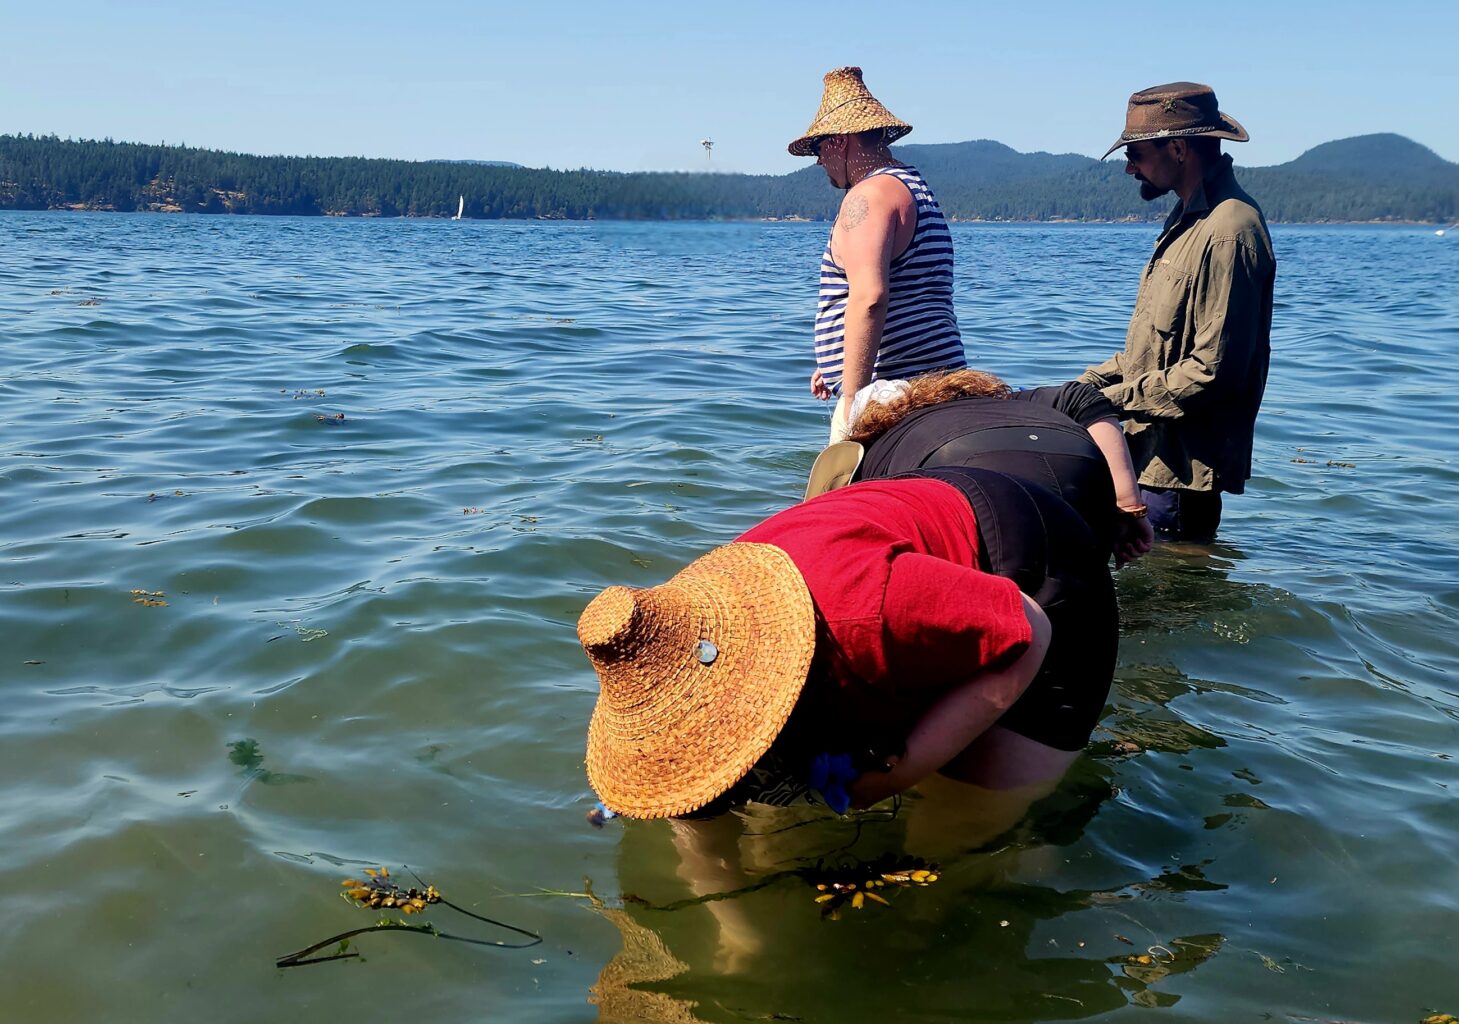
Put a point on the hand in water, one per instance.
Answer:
(1133, 538)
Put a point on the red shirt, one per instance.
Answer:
(892, 568)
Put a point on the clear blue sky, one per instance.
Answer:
(631, 86)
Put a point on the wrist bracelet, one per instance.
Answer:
(1138, 512)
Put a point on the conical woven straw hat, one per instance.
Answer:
(847, 107)
(696, 677)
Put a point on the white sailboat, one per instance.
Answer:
(460, 208)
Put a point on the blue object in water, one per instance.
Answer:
(599, 814)
(829, 776)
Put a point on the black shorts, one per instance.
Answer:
(1029, 535)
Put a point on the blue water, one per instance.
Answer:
(366, 654)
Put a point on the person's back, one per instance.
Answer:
(1038, 445)
(920, 332)
(1039, 436)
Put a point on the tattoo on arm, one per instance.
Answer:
(853, 212)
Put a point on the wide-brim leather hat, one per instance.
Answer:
(696, 677)
(1174, 111)
(848, 107)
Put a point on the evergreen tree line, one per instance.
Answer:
(974, 181)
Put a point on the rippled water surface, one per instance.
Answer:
(375, 470)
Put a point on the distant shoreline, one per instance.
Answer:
(1125, 221)
(1382, 178)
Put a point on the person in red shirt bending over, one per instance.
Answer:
(851, 646)
(955, 621)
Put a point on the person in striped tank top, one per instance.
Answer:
(885, 308)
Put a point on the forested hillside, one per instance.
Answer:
(1373, 177)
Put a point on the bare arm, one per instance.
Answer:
(959, 717)
(1134, 536)
(863, 243)
(1111, 440)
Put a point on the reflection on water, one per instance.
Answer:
(991, 942)
(383, 605)
(982, 918)
(622, 993)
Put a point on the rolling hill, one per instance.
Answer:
(1366, 178)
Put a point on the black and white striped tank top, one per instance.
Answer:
(921, 328)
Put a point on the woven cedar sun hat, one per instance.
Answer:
(847, 107)
(696, 677)
(1177, 110)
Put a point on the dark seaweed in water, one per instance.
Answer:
(378, 891)
(246, 755)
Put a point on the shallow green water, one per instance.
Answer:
(367, 657)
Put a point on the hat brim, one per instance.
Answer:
(834, 468)
(803, 145)
(1229, 128)
(700, 728)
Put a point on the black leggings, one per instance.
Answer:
(1029, 535)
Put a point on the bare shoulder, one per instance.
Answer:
(879, 198)
(885, 191)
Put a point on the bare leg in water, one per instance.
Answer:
(983, 792)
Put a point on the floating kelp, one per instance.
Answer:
(148, 598)
(306, 633)
(1331, 463)
(859, 882)
(854, 881)
(377, 891)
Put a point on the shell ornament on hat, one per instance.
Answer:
(847, 107)
(1177, 110)
(696, 677)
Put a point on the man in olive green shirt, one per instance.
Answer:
(1190, 379)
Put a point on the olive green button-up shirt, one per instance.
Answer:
(1190, 379)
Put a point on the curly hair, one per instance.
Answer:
(929, 389)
